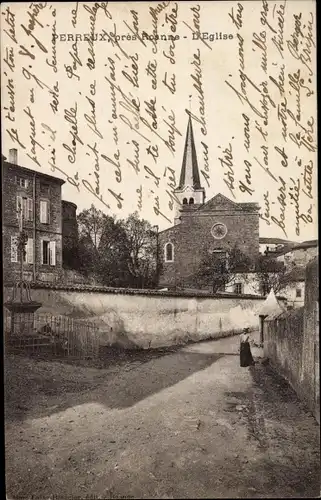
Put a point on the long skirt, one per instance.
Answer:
(246, 358)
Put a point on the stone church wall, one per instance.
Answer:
(193, 236)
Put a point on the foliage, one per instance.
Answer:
(117, 252)
(218, 269)
(91, 225)
(113, 255)
(142, 248)
(271, 273)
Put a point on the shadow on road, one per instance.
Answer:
(35, 389)
(282, 428)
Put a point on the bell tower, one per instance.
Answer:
(189, 190)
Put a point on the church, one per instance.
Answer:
(216, 225)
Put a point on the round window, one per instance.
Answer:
(219, 231)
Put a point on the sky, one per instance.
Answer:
(110, 117)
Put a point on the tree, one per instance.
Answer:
(218, 269)
(114, 257)
(88, 256)
(91, 224)
(119, 253)
(270, 273)
(142, 247)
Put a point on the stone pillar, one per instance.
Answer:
(22, 323)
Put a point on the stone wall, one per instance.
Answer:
(283, 340)
(310, 374)
(291, 342)
(150, 318)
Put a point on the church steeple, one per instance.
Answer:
(189, 174)
(189, 190)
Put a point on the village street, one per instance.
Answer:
(187, 424)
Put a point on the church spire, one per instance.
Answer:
(189, 174)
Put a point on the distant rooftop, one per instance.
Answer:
(306, 244)
(276, 241)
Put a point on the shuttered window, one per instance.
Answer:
(52, 253)
(238, 288)
(48, 252)
(30, 209)
(19, 205)
(22, 182)
(29, 251)
(44, 211)
(27, 208)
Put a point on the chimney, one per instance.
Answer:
(13, 156)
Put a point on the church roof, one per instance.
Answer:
(189, 174)
(221, 202)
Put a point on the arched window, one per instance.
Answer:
(191, 201)
(169, 252)
(185, 201)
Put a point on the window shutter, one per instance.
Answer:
(14, 249)
(43, 212)
(41, 251)
(48, 212)
(52, 253)
(19, 206)
(30, 208)
(30, 251)
(25, 208)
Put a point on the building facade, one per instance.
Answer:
(299, 255)
(217, 225)
(296, 260)
(32, 199)
(274, 246)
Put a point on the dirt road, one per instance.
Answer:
(188, 424)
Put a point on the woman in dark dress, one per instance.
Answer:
(246, 358)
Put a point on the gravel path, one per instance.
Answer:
(185, 424)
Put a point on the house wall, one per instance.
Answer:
(298, 257)
(144, 318)
(267, 246)
(35, 230)
(292, 293)
(249, 284)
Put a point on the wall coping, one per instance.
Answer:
(145, 292)
(285, 314)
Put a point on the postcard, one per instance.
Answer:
(159, 172)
